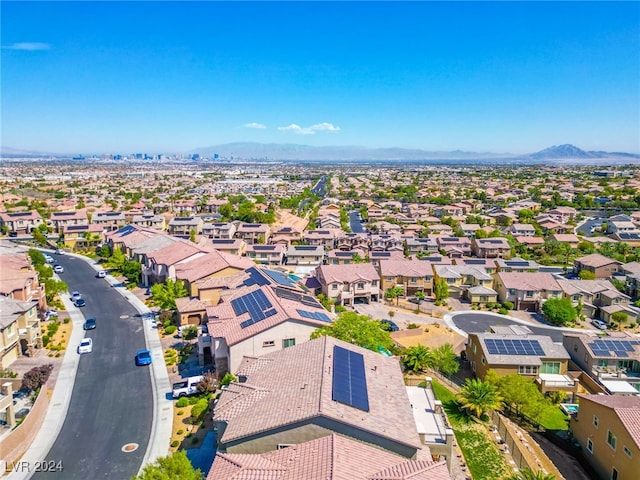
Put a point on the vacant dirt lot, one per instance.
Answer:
(284, 218)
(431, 336)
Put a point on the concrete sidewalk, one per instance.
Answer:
(162, 405)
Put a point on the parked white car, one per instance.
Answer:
(86, 346)
(101, 274)
(599, 324)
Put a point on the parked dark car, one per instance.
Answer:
(80, 302)
(89, 324)
(390, 325)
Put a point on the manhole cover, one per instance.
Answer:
(130, 447)
(124, 316)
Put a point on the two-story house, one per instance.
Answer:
(411, 275)
(527, 291)
(467, 281)
(109, 220)
(253, 233)
(150, 220)
(599, 265)
(304, 255)
(20, 223)
(497, 247)
(183, 226)
(60, 220)
(266, 254)
(606, 427)
(349, 284)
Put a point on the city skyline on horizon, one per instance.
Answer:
(93, 77)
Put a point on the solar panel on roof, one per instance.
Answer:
(499, 346)
(314, 315)
(255, 277)
(349, 380)
(279, 278)
(621, 353)
(304, 248)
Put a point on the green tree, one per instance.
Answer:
(164, 294)
(227, 379)
(478, 397)
(116, 260)
(172, 467)
(417, 359)
(357, 329)
(586, 275)
(132, 270)
(37, 257)
(518, 391)
(192, 236)
(420, 296)
(394, 292)
(445, 359)
(559, 311)
(441, 290)
(620, 318)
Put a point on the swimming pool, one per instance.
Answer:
(569, 408)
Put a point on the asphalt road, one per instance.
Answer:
(112, 400)
(355, 223)
(479, 322)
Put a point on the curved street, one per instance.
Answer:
(112, 400)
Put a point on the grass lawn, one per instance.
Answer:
(553, 418)
(483, 458)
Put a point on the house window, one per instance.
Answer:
(512, 291)
(288, 342)
(334, 286)
(550, 367)
(483, 360)
(529, 294)
(614, 474)
(374, 283)
(269, 343)
(361, 286)
(611, 439)
(596, 421)
(528, 370)
(576, 298)
(413, 280)
(590, 446)
(390, 279)
(627, 452)
(427, 278)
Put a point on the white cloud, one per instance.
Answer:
(329, 127)
(254, 125)
(318, 127)
(28, 46)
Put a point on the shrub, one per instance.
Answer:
(170, 330)
(508, 305)
(412, 326)
(190, 333)
(36, 377)
(503, 311)
(6, 373)
(182, 402)
(45, 340)
(180, 432)
(199, 409)
(437, 325)
(180, 412)
(340, 309)
(66, 320)
(175, 443)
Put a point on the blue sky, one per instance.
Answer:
(87, 77)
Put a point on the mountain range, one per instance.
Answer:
(562, 154)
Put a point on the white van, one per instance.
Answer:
(188, 386)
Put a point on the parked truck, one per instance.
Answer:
(188, 386)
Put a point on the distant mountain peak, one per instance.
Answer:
(562, 151)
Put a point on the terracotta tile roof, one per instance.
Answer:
(332, 457)
(176, 252)
(305, 392)
(626, 407)
(226, 323)
(198, 267)
(596, 260)
(405, 268)
(352, 272)
(536, 281)
(186, 304)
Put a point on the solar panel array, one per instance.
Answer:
(305, 248)
(255, 278)
(256, 304)
(349, 380)
(314, 315)
(499, 346)
(297, 297)
(279, 277)
(620, 348)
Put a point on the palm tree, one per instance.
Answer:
(417, 358)
(479, 397)
(528, 474)
(394, 292)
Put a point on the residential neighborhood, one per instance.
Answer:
(250, 278)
